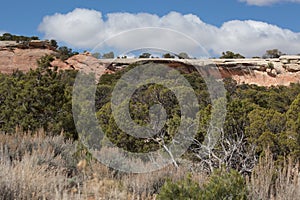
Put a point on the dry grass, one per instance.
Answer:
(36, 166)
(105, 183)
(270, 181)
(287, 183)
(42, 167)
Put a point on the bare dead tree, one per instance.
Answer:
(231, 151)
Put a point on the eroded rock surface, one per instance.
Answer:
(263, 72)
(21, 59)
(82, 62)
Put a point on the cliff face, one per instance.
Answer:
(21, 59)
(83, 62)
(263, 72)
(24, 59)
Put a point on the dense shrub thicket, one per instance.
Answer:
(43, 98)
(37, 99)
(265, 116)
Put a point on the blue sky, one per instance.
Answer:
(28, 18)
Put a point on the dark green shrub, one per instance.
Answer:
(221, 185)
(184, 189)
(224, 185)
(270, 65)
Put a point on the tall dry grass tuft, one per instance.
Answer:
(106, 183)
(146, 186)
(287, 183)
(261, 180)
(271, 181)
(35, 167)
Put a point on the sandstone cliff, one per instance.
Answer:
(12, 59)
(84, 62)
(20, 59)
(264, 72)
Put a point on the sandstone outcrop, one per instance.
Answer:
(21, 59)
(263, 72)
(13, 59)
(292, 67)
(82, 62)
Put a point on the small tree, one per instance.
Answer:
(168, 55)
(64, 53)
(45, 61)
(145, 55)
(109, 55)
(53, 43)
(273, 53)
(183, 55)
(230, 54)
(96, 55)
(34, 38)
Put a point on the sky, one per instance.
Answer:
(249, 27)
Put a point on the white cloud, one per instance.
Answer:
(83, 28)
(267, 2)
(80, 27)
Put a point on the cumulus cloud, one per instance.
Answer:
(83, 28)
(267, 2)
(80, 27)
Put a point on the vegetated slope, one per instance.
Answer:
(257, 118)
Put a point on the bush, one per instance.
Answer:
(64, 53)
(185, 189)
(37, 99)
(45, 61)
(270, 65)
(231, 55)
(221, 185)
(225, 185)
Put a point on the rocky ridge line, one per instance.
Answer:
(263, 72)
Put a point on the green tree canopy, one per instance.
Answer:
(272, 53)
(64, 53)
(230, 54)
(183, 55)
(168, 55)
(145, 55)
(109, 55)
